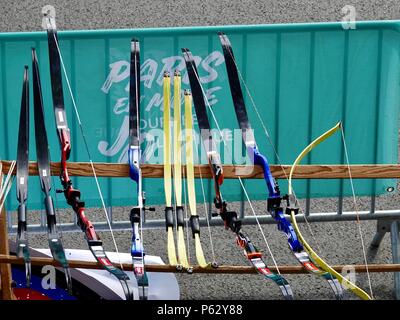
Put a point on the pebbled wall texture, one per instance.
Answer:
(99, 14)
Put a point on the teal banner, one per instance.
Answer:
(301, 79)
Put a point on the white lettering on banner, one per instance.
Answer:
(119, 72)
(148, 77)
(151, 75)
(170, 64)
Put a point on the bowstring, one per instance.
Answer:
(4, 183)
(1, 175)
(357, 211)
(207, 212)
(185, 199)
(88, 152)
(287, 178)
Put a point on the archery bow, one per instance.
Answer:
(180, 220)
(169, 209)
(292, 211)
(134, 159)
(72, 195)
(22, 178)
(43, 160)
(194, 217)
(274, 200)
(229, 217)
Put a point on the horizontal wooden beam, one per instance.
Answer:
(223, 269)
(119, 170)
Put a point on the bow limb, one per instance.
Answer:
(191, 192)
(169, 210)
(317, 259)
(307, 149)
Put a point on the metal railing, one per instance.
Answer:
(387, 221)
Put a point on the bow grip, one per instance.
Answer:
(133, 160)
(261, 160)
(65, 140)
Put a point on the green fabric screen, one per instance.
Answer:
(304, 78)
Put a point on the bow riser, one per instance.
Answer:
(134, 169)
(71, 194)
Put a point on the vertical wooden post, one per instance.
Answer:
(6, 292)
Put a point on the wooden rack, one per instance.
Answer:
(118, 170)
